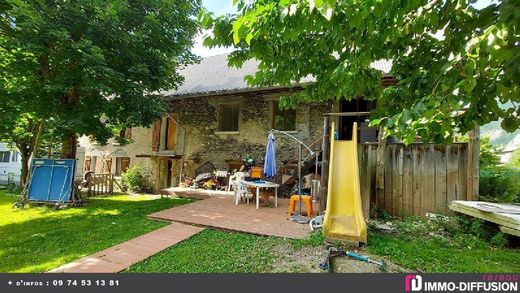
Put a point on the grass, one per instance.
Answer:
(213, 251)
(432, 247)
(38, 238)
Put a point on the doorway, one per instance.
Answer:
(346, 122)
(165, 174)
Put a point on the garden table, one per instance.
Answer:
(263, 184)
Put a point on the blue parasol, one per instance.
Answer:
(270, 158)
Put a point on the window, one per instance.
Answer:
(283, 119)
(4, 157)
(229, 117)
(126, 133)
(14, 158)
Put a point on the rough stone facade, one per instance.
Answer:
(203, 142)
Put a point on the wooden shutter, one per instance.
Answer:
(108, 166)
(125, 164)
(156, 135)
(171, 132)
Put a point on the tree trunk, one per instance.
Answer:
(25, 169)
(69, 146)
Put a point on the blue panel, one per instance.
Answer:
(51, 180)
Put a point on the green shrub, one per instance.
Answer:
(500, 184)
(489, 154)
(135, 179)
(499, 240)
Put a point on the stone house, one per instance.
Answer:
(216, 118)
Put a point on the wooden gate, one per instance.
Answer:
(101, 184)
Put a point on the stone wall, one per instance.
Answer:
(204, 143)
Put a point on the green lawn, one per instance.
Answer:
(213, 251)
(429, 247)
(38, 238)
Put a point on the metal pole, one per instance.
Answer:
(300, 178)
(324, 165)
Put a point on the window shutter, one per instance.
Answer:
(156, 135)
(125, 163)
(171, 132)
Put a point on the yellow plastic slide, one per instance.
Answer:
(344, 215)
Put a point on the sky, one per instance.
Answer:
(221, 7)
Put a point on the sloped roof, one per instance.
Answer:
(212, 75)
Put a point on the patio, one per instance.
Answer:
(218, 211)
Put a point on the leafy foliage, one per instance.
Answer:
(489, 153)
(94, 65)
(135, 179)
(500, 184)
(447, 57)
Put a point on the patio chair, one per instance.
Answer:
(240, 189)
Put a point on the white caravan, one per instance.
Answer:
(10, 164)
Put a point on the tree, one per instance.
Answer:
(96, 65)
(454, 64)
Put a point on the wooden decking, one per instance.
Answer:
(220, 212)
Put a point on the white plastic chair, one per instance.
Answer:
(240, 189)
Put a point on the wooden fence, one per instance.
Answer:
(101, 184)
(418, 178)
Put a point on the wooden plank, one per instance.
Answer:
(418, 181)
(364, 173)
(473, 164)
(389, 169)
(452, 184)
(407, 182)
(398, 181)
(510, 231)
(463, 163)
(471, 208)
(380, 171)
(373, 174)
(429, 179)
(440, 180)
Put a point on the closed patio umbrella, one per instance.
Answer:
(270, 158)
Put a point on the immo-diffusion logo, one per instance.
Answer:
(490, 283)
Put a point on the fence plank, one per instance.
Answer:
(463, 163)
(452, 184)
(417, 181)
(440, 179)
(407, 182)
(419, 178)
(389, 168)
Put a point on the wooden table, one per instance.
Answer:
(265, 184)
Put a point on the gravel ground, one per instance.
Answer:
(307, 259)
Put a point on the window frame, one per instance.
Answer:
(3, 156)
(221, 108)
(275, 109)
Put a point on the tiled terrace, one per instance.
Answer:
(218, 211)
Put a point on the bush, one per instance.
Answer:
(489, 154)
(500, 184)
(135, 179)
